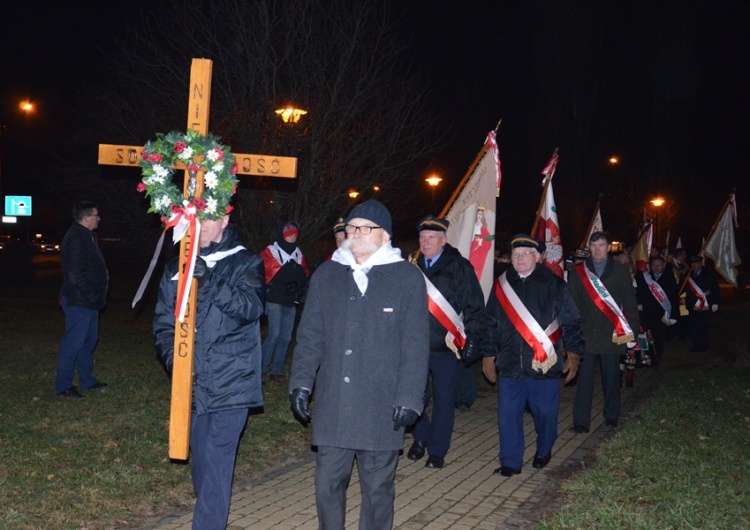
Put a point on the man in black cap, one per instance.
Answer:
(362, 347)
(529, 315)
(701, 299)
(456, 301)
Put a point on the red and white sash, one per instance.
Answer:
(542, 341)
(701, 304)
(606, 304)
(439, 307)
(660, 296)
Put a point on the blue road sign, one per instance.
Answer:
(19, 205)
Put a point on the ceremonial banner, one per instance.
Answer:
(546, 226)
(548, 230)
(642, 248)
(596, 225)
(721, 246)
(472, 214)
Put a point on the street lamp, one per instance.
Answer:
(613, 161)
(433, 180)
(291, 114)
(353, 194)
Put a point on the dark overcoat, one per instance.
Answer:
(85, 276)
(597, 328)
(361, 355)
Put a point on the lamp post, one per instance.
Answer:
(433, 180)
(658, 202)
(290, 114)
(27, 108)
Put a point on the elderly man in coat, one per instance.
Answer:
(362, 353)
(227, 360)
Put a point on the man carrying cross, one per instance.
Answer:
(227, 359)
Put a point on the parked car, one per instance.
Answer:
(45, 246)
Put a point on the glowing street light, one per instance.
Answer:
(433, 180)
(291, 114)
(613, 161)
(27, 106)
(353, 194)
(658, 201)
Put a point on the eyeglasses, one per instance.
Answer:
(518, 255)
(364, 230)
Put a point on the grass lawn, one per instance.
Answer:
(101, 462)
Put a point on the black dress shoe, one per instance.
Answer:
(611, 423)
(435, 462)
(416, 451)
(541, 461)
(97, 386)
(506, 471)
(578, 429)
(71, 393)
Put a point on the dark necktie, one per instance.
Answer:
(429, 263)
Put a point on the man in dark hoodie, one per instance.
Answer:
(286, 282)
(455, 282)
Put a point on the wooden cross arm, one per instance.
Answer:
(257, 165)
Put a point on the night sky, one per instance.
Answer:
(662, 85)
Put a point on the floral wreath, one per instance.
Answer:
(195, 152)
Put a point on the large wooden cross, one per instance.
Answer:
(199, 101)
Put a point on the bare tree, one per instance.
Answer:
(343, 62)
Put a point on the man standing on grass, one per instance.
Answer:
(227, 360)
(83, 296)
(362, 352)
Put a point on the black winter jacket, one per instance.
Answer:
(456, 280)
(547, 297)
(85, 275)
(227, 354)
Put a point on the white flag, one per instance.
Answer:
(472, 216)
(596, 225)
(722, 248)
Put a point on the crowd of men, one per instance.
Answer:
(382, 337)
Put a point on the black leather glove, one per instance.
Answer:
(470, 353)
(200, 270)
(300, 400)
(403, 417)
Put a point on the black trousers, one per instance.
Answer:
(377, 472)
(611, 382)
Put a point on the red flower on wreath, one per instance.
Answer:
(200, 204)
(156, 157)
(144, 155)
(179, 147)
(228, 210)
(194, 168)
(141, 187)
(176, 210)
(235, 168)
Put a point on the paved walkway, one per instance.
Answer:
(463, 495)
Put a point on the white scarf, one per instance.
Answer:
(282, 256)
(212, 259)
(383, 256)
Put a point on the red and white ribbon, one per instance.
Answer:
(447, 316)
(183, 221)
(660, 296)
(701, 304)
(542, 341)
(606, 304)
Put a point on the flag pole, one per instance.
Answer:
(467, 175)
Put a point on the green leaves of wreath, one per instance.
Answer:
(195, 152)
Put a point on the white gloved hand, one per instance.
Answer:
(715, 308)
(672, 321)
(631, 345)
